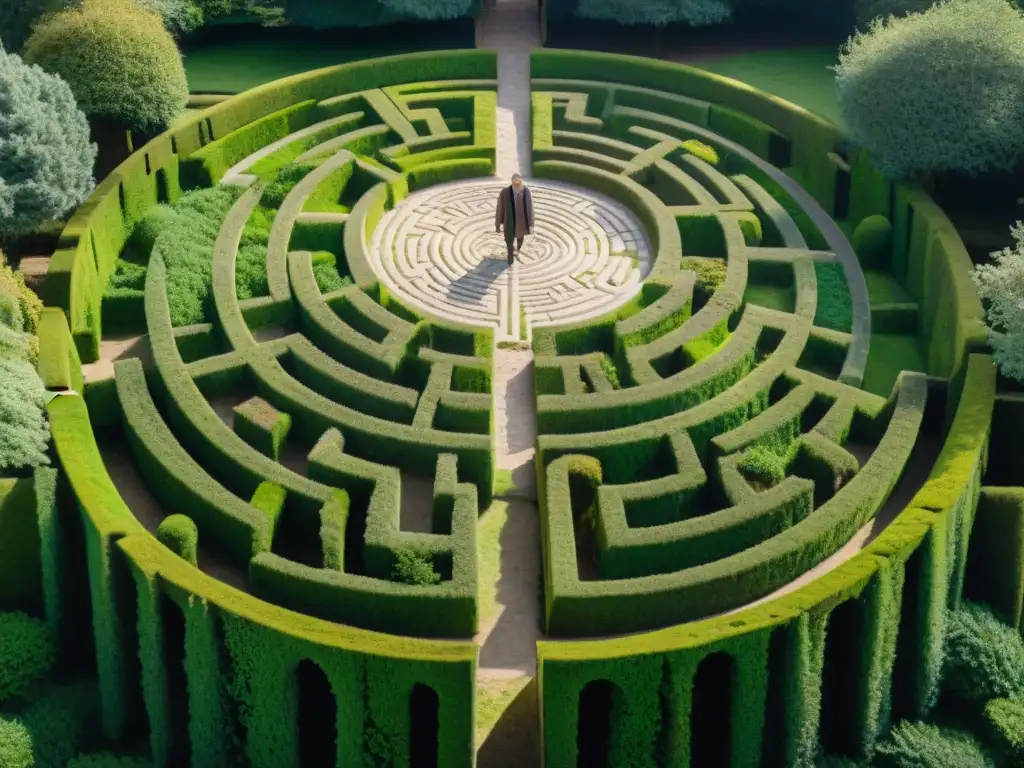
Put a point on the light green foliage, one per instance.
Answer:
(28, 653)
(696, 13)
(15, 744)
(45, 155)
(937, 91)
(23, 430)
(251, 262)
(608, 366)
(121, 63)
(179, 534)
(1004, 724)
(710, 273)
(764, 465)
(984, 657)
(413, 568)
(1001, 284)
(186, 243)
(325, 270)
(699, 149)
(921, 745)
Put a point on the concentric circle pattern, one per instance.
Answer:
(439, 251)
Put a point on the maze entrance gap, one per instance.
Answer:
(318, 718)
(424, 721)
(711, 713)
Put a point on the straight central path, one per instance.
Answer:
(508, 718)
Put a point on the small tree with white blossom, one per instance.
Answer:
(1001, 285)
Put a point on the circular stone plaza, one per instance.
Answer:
(439, 251)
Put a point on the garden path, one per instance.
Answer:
(508, 639)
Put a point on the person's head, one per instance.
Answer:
(517, 181)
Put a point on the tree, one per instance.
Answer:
(1001, 285)
(696, 13)
(18, 16)
(46, 158)
(122, 64)
(937, 91)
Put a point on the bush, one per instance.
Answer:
(872, 242)
(999, 286)
(15, 744)
(869, 10)
(23, 429)
(121, 63)
(45, 155)
(109, 760)
(984, 657)
(699, 149)
(764, 465)
(937, 91)
(696, 13)
(179, 16)
(61, 722)
(28, 653)
(920, 745)
(413, 568)
(1004, 724)
(179, 534)
(20, 310)
(18, 16)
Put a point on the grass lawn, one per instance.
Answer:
(256, 56)
(800, 75)
(889, 355)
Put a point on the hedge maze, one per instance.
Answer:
(751, 523)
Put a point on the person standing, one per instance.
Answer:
(515, 214)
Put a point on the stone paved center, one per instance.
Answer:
(438, 251)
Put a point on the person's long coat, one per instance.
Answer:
(517, 219)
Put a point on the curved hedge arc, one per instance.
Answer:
(694, 387)
(372, 395)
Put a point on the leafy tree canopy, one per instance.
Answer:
(121, 63)
(696, 13)
(1001, 285)
(45, 156)
(937, 91)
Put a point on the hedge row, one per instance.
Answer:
(826, 667)
(93, 239)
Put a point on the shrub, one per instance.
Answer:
(920, 745)
(325, 271)
(999, 285)
(15, 744)
(121, 63)
(28, 653)
(872, 242)
(869, 10)
(179, 16)
(18, 16)
(763, 465)
(61, 722)
(109, 760)
(984, 657)
(696, 13)
(414, 568)
(711, 273)
(45, 155)
(1004, 724)
(937, 91)
(179, 534)
(23, 429)
(20, 308)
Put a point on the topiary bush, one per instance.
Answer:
(872, 242)
(46, 158)
(413, 568)
(921, 745)
(999, 285)
(179, 534)
(937, 91)
(122, 64)
(28, 653)
(984, 658)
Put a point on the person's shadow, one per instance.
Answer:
(472, 287)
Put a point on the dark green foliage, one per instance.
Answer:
(121, 63)
(872, 242)
(60, 721)
(28, 653)
(179, 534)
(696, 13)
(921, 745)
(368, 13)
(835, 306)
(413, 568)
(283, 183)
(984, 657)
(325, 270)
(20, 567)
(251, 261)
(1004, 727)
(109, 760)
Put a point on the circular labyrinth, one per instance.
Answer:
(438, 250)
